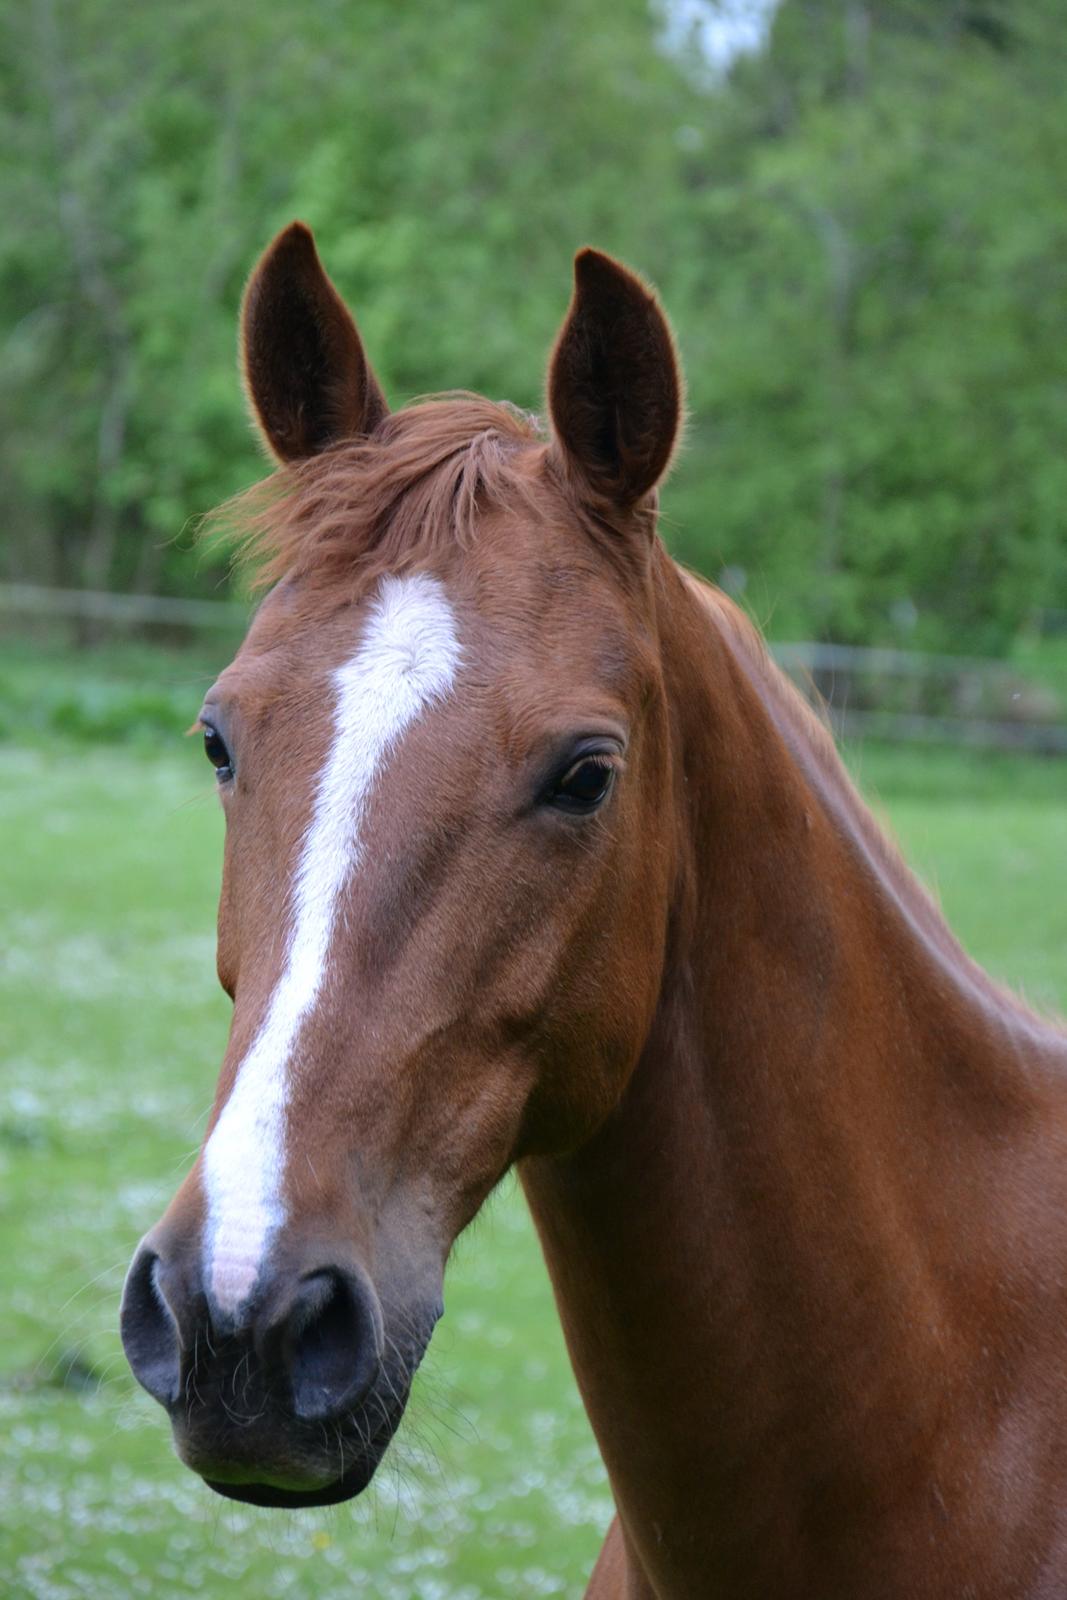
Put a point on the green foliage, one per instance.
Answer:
(879, 384)
(860, 235)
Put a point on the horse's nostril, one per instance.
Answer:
(319, 1338)
(333, 1344)
(149, 1331)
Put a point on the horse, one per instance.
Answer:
(534, 859)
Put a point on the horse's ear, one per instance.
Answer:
(307, 378)
(614, 384)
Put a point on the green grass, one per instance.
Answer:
(113, 1029)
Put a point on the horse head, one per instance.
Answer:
(443, 756)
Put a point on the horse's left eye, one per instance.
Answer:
(217, 753)
(584, 786)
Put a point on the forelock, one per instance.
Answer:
(388, 502)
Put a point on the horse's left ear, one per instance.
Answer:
(308, 380)
(614, 384)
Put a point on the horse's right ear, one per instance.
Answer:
(306, 376)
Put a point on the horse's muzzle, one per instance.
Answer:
(249, 1396)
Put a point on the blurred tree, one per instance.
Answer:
(860, 235)
(877, 380)
(450, 157)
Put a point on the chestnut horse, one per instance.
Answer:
(533, 857)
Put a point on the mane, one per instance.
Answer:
(810, 717)
(805, 727)
(385, 502)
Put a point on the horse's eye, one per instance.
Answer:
(217, 753)
(584, 786)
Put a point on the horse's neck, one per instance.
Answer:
(793, 1233)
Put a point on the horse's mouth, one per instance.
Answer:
(267, 1482)
(351, 1482)
(264, 1456)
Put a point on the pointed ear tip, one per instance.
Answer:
(590, 262)
(296, 236)
(293, 249)
(596, 269)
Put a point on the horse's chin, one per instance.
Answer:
(284, 1498)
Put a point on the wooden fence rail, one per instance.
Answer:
(120, 611)
(908, 696)
(899, 695)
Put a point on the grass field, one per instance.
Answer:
(112, 1032)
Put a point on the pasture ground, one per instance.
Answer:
(112, 1030)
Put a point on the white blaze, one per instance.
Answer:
(407, 659)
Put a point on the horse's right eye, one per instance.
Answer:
(217, 753)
